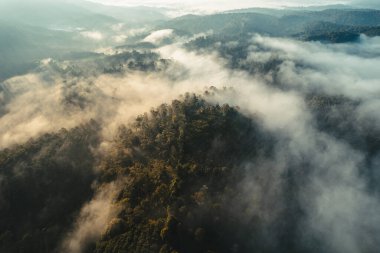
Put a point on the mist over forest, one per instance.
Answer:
(157, 127)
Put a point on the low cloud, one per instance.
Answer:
(120, 38)
(94, 35)
(340, 212)
(158, 36)
(92, 221)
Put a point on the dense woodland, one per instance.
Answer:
(40, 182)
(181, 163)
(191, 176)
(182, 166)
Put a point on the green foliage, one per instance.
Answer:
(236, 51)
(301, 23)
(132, 61)
(181, 164)
(182, 170)
(91, 65)
(43, 184)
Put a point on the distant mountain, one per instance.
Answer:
(330, 25)
(77, 14)
(33, 30)
(355, 17)
(23, 46)
(289, 10)
(229, 23)
(53, 14)
(132, 16)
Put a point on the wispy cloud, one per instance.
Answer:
(339, 209)
(94, 35)
(157, 37)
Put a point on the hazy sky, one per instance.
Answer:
(213, 5)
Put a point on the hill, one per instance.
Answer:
(329, 25)
(43, 185)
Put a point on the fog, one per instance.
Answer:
(93, 219)
(341, 211)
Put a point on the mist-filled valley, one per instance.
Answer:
(162, 128)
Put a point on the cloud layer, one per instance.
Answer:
(341, 212)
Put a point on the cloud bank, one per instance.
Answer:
(157, 37)
(341, 212)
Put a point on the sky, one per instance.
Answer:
(218, 5)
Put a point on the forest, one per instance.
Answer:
(186, 127)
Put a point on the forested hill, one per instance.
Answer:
(188, 171)
(111, 142)
(181, 163)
